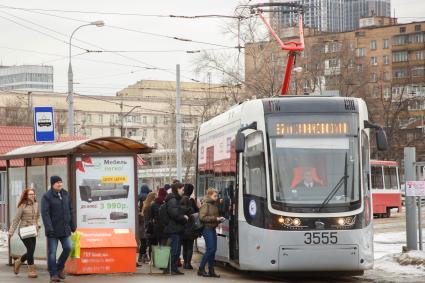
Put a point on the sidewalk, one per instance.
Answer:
(7, 275)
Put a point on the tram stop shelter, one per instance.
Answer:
(100, 175)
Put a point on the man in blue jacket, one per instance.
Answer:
(56, 211)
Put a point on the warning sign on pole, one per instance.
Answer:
(415, 188)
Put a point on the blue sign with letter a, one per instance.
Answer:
(44, 128)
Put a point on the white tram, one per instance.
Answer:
(294, 180)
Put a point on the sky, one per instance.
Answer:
(41, 37)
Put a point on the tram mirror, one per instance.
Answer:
(240, 142)
(381, 139)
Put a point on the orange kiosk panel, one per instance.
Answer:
(104, 250)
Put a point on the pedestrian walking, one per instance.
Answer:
(27, 220)
(210, 218)
(148, 224)
(57, 214)
(190, 233)
(158, 236)
(175, 223)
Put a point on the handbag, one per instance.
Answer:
(28, 232)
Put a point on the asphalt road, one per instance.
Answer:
(393, 224)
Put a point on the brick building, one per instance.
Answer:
(382, 62)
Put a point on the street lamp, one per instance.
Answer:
(71, 80)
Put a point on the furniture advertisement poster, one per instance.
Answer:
(105, 192)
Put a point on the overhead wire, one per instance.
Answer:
(123, 13)
(150, 66)
(38, 31)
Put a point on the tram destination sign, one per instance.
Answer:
(415, 188)
(311, 128)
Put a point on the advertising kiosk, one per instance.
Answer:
(101, 177)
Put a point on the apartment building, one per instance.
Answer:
(382, 62)
(144, 111)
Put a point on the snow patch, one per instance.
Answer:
(400, 265)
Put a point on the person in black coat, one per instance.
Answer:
(175, 224)
(189, 234)
(158, 229)
(57, 215)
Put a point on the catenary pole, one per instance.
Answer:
(178, 126)
(410, 175)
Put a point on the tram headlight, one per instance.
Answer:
(281, 220)
(296, 222)
(346, 221)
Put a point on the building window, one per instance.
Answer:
(187, 119)
(387, 93)
(88, 132)
(112, 132)
(361, 52)
(386, 44)
(155, 120)
(155, 133)
(401, 56)
(400, 74)
(373, 44)
(144, 120)
(400, 39)
(417, 27)
(88, 118)
(374, 61)
(373, 77)
(420, 55)
(360, 33)
(402, 29)
(386, 59)
(144, 133)
(416, 38)
(100, 118)
(418, 71)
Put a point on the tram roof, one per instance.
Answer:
(98, 145)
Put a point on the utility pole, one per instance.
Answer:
(122, 119)
(410, 175)
(178, 126)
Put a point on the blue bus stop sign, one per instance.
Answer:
(44, 129)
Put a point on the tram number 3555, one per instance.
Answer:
(320, 238)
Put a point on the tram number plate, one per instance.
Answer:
(317, 238)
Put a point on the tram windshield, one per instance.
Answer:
(315, 160)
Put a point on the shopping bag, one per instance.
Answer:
(75, 250)
(161, 256)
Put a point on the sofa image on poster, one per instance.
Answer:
(95, 190)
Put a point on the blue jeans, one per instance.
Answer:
(210, 237)
(175, 244)
(52, 245)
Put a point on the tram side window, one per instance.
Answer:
(377, 178)
(390, 174)
(254, 165)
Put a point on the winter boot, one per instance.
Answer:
(31, 272)
(17, 266)
(201, 272)
(212, 273)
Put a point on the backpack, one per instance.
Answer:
(164, 219)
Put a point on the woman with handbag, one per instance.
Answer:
(210, 218)
(146, 212)
(27, 218)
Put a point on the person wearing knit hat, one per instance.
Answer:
(57, 214)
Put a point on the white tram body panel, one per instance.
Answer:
(262, 240)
